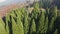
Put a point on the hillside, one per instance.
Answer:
(5, 9)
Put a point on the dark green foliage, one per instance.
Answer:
(33, 27)
(41, 23)
(56, 31)
(53, 16)
(47, 11)
(26, 24)
(45, 26)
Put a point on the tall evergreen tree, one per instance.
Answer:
(15, 29)
(26, 24)
(35, 11)
(20, 24)
(33, 27)
(46, 25)
(55, 11)
(36, 7)
(51, 26)
(53, 16)
(2, 27)
(41, 23)
(7, 21)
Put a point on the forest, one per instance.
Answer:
(43, 19)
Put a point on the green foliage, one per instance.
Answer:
(41, 3)
(52, 23)
(56, 31)
(7, 20)
(15, 28)
(36, 7)
(2, 27)
(47, 11)
(53, 16)
(39, 21)
(45, 25)
(26, 24)
(20, 26)
(35, 11)
(33, 27)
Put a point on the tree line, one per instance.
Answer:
(19, 21)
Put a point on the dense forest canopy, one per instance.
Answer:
(50, 3)
(42, 19)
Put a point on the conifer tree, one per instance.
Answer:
(45, 25)
(13, 13)
(22, 20)
(26, 24)
(53, 16)
(7, 27)
(35, 11)
(20, 26)
(41, 23)
(36, 7)
(23, 13)
(51, 26)
(55, 11)
(15, 29)
(33, 27)
(2, 27)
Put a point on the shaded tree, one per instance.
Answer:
(33, 27)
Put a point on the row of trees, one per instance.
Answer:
(39, 21)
